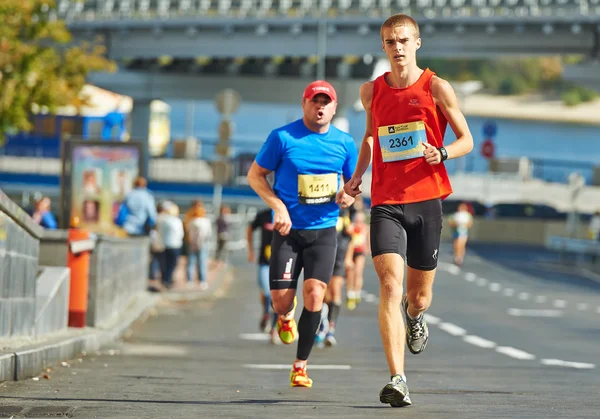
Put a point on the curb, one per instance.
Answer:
(29, 361)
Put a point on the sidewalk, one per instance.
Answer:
(180, 282)
(24, 358)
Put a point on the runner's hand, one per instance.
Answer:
(352, 187)
(250, 255)
(281, 221)
(432, 154)
(343, 199)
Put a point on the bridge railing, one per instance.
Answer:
(77, 10)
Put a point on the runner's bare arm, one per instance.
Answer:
(366, 147)
(257, 178)
(446, 100)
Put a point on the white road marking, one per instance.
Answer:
(470, 276)
(560, 303)
(523, 296)
(482, 282)
(289, 367)
(582, 306)
(540, 299)
(514, 352)
(519, 312)
(454, 270)
(509, 292)
(370, 298)
(495, 287)
(452, 329)
(481, 342)
(431, 319)
(560, 363)
(135, 349)
(254, 336)
(598, 309)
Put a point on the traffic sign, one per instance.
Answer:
(490, 129)
(488, 149)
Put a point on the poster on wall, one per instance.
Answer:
(97, 176)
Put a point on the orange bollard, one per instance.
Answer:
(80, 269)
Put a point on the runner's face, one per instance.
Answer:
(400, 45)
(319, 110)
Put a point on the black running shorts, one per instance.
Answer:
(411, 230)
(340, 255)
(311, 250)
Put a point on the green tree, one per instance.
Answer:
(39, 64)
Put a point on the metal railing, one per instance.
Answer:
(76, 10)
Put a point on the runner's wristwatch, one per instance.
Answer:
(444, 153)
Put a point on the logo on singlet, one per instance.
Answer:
(413, 102)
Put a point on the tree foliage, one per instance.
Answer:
(515, 76)
(40, 66)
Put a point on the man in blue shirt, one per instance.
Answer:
(310, 158)
(138, 210)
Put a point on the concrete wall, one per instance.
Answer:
(53, 248)
(19, 249)
(118, 272)
(52, 300)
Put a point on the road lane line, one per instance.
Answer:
(560, 303)
(289, 367)
(481, 342)
(568, 364)
(452, 329)
(431, 319)
(514, 352)
(255, 336)
(495, 287)
(520, 312)
(470, 276)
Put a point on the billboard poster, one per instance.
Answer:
(100, 177)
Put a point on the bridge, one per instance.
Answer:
(304, 39)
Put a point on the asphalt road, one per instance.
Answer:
(507, 341)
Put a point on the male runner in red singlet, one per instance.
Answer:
(407, 111)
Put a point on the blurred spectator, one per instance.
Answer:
(157, 249)
(359, 246)
(199, 233)
(137, 214)
(170, 231)
(460, 223)
(594, 226)
(42, 215)
(223, 234)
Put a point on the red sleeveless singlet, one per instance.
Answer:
(402, 118)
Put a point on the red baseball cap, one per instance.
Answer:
(319, 87)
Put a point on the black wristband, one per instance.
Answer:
(444, 153)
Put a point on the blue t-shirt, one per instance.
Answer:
(308, 170)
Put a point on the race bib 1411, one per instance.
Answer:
(317, 189)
